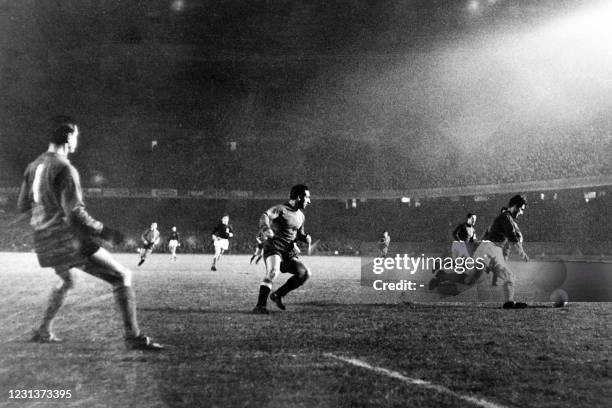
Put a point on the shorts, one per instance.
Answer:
(221, 244)
(173, 244)
(58, 246)
(280, 248)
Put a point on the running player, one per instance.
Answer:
(464, 237)
(283, 225)
(383, 244)
(65, 235)
(173, 243)
(258, 252)
(221, 235)
(149, 238)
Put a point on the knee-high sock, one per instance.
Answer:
(508, 291)
(56, 300)
(126, 301)
(262, 299)
(292, 283)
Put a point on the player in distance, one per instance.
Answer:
(173, 243)
(221, 235)
(149, 239)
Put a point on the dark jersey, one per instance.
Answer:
(223, 230)
(287, 222)
(51, 190)
(384, 241)
(504, 230)
(464, 232)
(174, 236)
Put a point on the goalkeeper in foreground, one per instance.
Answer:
(66, 237)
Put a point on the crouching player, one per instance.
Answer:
(501, 235)
(283, 225)
(492, 253)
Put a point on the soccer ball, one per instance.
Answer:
(559, 298)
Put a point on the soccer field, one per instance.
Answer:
(337, 345)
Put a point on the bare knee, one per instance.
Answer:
(124, 277)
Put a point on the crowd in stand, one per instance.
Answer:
(567, 224)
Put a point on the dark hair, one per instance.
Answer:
(518, 200)
(470, 215)
(60, 128)
(297, 191)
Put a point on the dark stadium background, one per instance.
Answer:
(358, 99)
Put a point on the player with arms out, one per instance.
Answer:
(149, 238)
(65, 235)
(283, 224)
(221, 235)
(173, 243)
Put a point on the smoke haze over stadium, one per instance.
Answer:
(395, 95)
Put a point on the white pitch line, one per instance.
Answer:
(416, 381)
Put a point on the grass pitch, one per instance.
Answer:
(219, 355)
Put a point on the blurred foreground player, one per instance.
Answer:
(221, 235)
(173, 243)
(283, 224)
(65, 234)
(149, 238)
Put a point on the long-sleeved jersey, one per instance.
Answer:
(51, 190)
(505, 232)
